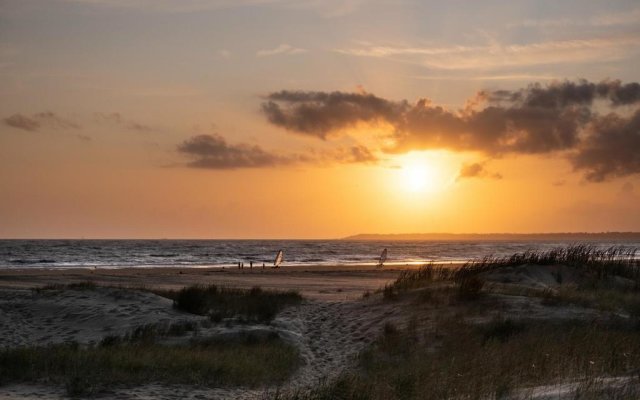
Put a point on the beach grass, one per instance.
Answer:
(500, 359)
(87, 370)
(217, 302)
(599, 269)
(249, 305)
(600, 262)
(455, 353)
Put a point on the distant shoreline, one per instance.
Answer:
(566, 236)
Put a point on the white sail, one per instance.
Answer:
(383, 258)
(278, 260)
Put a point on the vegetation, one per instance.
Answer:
(248, 361)
(601, 263)
(248, 305)
(444, 355)
(495, 360)
(219, 302)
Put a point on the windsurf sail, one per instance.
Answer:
(383, 258)
(278, 260)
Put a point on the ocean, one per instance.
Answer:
(227, 253)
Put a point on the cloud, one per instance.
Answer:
(612, 148)
(629, 17)
(19, 121)
(213, 152)
(39, 120)
(476, 170)
(319, 113)
(284, 49)
(357, 154)
(499, 56)
(538, 119)
(118, 120)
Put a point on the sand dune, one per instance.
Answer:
(331, 326)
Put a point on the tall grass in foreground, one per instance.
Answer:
(612, 261)
(254, 304)
(498, 360)
(248, 362)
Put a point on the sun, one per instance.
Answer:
(419, 174)
(416, 178)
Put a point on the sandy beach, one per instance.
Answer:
(315, 282)
(332, 325)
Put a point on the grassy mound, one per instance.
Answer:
(250, 362)
(254, 304)
(496, 360)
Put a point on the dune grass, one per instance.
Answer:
(249, 305)
(217, 302)
(602, 263)
(450, 357)
(494, 360)
(600, 266)
(86, 370)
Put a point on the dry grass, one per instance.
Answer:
(495, 360)
(250, 361)
(448, 358)
(219, 302)
(601, 263)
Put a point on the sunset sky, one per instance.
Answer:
(317, 118)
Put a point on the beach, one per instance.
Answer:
(329, 328)
(344, 312)
(315, 282)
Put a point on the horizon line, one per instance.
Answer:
(584, 233)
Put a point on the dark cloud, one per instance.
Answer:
(213, 151)
(39, 120)
(361, 154)
(357, 154)
(19, 121)
(477, 170)
(567, 93)
(559, 117)
(119, 120)
(319, 113)
(611, 149)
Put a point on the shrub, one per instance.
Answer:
(219, 303)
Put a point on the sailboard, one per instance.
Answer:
(278, 260)
(383, 258)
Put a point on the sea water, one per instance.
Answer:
(219, 253)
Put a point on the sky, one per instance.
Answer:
(317, 119)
